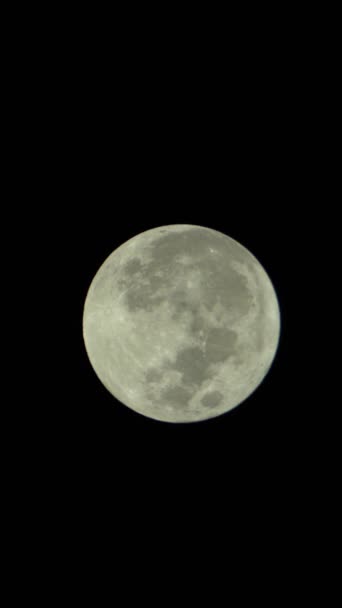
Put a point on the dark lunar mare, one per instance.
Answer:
(222, 283)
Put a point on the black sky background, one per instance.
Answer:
(145, 148)
(146, 151)
(208, 478)
(161, 161)
(131, 138)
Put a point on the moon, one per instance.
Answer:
(181, 323)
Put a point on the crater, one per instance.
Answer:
(212, 399)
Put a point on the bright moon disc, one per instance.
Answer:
(181, 323)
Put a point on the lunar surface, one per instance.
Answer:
(181, 323)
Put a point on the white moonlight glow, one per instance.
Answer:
(181, 323)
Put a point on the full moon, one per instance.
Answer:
(181, 323)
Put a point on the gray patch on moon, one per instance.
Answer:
(182, 304)
(153, 375)
(229, 286)
(191, 363)
(197, 325)
(133, 266)
(177, 395)
(212, 399)
(142, 297)
(220, 344)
